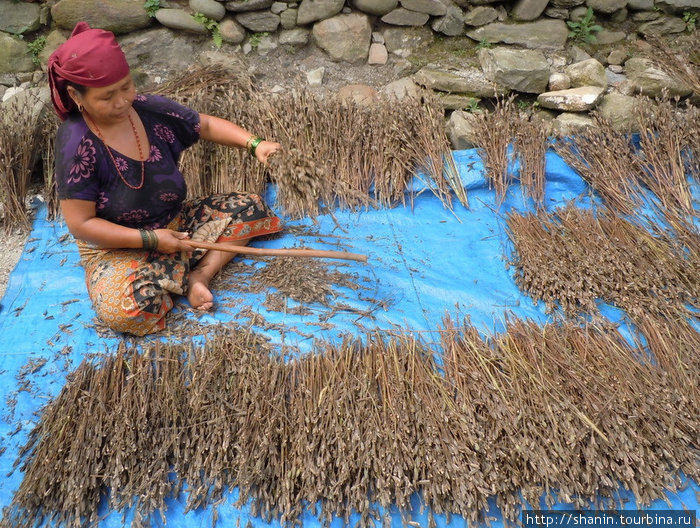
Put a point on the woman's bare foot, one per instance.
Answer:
(198, 293)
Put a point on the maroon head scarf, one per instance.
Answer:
(90, 57)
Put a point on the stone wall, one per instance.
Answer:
(526, 47)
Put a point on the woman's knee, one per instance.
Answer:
(127, 317)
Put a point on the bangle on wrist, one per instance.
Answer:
(149, 240)
(254, 144)
(248, 141)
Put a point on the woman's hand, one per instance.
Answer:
(170, 241)
(265, 149)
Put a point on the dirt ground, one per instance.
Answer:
(12, 244)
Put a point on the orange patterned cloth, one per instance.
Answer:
(131, 289)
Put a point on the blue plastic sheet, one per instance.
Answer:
(425, 261)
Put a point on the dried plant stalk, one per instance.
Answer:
(494, 132)
(564, 410)
(575, 257)
(605, 158)
(663, 147)
(19, 141)
(530, 148)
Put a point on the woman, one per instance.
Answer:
(122, 195)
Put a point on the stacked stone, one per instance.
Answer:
(529, 53)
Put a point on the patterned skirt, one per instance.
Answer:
(131, 289)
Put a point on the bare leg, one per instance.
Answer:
(198, 293)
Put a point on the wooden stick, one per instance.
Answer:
(270, 252)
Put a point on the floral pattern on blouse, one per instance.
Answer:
(83, 161)
(85, 170)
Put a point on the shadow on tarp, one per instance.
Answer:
(425, 261)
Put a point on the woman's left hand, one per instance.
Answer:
(265, 149)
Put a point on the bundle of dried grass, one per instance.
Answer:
(49, 125)
(19, 141)
(568, 411)
(663, 152)
(605, 158)
(508, 140)
(336, 153)
(494, 132)
(530, 147)
(677, 62)
(574, 258)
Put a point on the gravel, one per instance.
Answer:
(12, 244)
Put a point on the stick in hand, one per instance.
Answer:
(269, 252)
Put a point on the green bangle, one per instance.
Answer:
(254, 144)
(149, 240)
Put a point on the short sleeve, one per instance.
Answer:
(76, 162)
(180, 121)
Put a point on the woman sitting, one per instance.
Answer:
(123, 196)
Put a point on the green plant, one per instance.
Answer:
(151, 6)
(256, 38)
(691, 21)
(473, 106)
(35, 47)
(212, 26)
(483, 43)
(584, 29)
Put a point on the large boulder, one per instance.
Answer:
(159, 52)
(528, 9)
(431, 7)
(570, 124)
(259, 21)
(649, 80)
(19, 17)
(521, 70)
(209, 8)
(679, 6)
(53, 40)
(662, 26)
(606, 6)
(401, 89)
(587, 73)
(405, 17)
(375, 7)
(315, 10)
(344, 37)
(241, 6)
(180, 20)
(461, 130)
(471, 81)
(231, 31)
(452, 24)
(410, 38)
(573, 100)
(117, 16)
(620, 110)
(480, 16)
(542, 34)
(14, 55)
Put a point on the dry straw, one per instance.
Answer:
(335, 153)
(19, 145)
(510, 142)
(574, 258)
(566, 411)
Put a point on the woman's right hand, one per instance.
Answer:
(170, 241)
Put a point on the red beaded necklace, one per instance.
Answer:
(138, 145)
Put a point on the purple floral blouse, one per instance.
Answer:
(85, 170)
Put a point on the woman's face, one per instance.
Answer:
(108, 104)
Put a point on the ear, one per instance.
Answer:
(74, 94)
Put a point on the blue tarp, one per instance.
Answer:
(424, 261)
